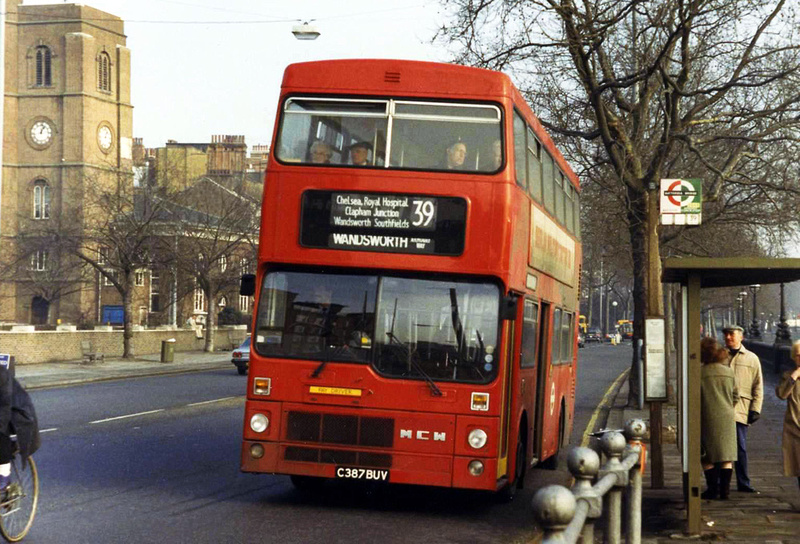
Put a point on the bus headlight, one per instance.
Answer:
(475, 467)
(259, 423)
(477, 438)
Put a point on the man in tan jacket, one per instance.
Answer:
(747, 369)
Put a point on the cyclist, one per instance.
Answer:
(17, 416)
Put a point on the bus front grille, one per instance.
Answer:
(338, 457)
(373, 432)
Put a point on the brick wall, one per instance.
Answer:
(50, 346)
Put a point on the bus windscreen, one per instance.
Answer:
(404, 327)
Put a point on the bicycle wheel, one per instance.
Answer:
(18, 505)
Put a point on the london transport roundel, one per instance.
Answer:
(680, 192)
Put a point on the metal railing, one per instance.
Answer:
(570, 515)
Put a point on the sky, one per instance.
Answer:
(203, 67)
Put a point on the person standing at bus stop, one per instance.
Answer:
(718, 430)
(750, 384)
(788, 390)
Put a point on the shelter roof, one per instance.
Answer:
(731, 271)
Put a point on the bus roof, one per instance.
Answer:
(397, 77)
(412, 78)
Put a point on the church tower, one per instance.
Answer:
(67, 119)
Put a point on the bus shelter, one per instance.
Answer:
(694, 274)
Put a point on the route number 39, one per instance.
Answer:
(423, 213)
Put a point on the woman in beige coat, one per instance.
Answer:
(718, 398)
(788, 390)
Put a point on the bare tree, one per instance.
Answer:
(639, 90)
(215, 228)
(115, 232)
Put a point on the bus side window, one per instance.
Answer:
(519, 150)
(555, 349)
(534, 167)
(530, 328)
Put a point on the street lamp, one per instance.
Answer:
(740, 298)
(782, 334)
(614, 305)
(755, 329)
(305, 32)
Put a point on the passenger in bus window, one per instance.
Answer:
(456, 154)
(497, 149)
(321, 152)
(359, 153)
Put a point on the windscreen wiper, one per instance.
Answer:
(326, 359)
(410, 356)
(327, 332)
(476, 362)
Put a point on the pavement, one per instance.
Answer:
(59, 374)
(772, 516)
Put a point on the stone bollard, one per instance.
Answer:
(584, 464)
(554, 507)
(613, 444)
(634, 432)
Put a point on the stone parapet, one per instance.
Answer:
(53, 346)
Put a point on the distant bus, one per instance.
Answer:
(625, 328)
(582, 324)
(417, 281)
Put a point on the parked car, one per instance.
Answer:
(581, 340)
(594, 335)
(241, 356)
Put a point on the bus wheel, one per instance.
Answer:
(307, 483)
(551, 463)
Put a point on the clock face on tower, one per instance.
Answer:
(105, 137)
(41, 132)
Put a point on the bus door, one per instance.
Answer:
(542, 364)
(528, 366)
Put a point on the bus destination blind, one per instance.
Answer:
(390, 223)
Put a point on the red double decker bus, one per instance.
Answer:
(417, 281)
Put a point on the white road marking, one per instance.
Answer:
(210, 401)
(48, 430)
(127, 416)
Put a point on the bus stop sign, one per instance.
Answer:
(681, 201)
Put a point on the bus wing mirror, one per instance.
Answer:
(248, 286)
(508, 308)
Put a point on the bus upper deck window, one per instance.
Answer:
(453, 137)
(354, 132)
(324, 131)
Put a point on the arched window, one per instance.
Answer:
(41, 199)
(43, 70)
(104, 72)
(199, 300)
